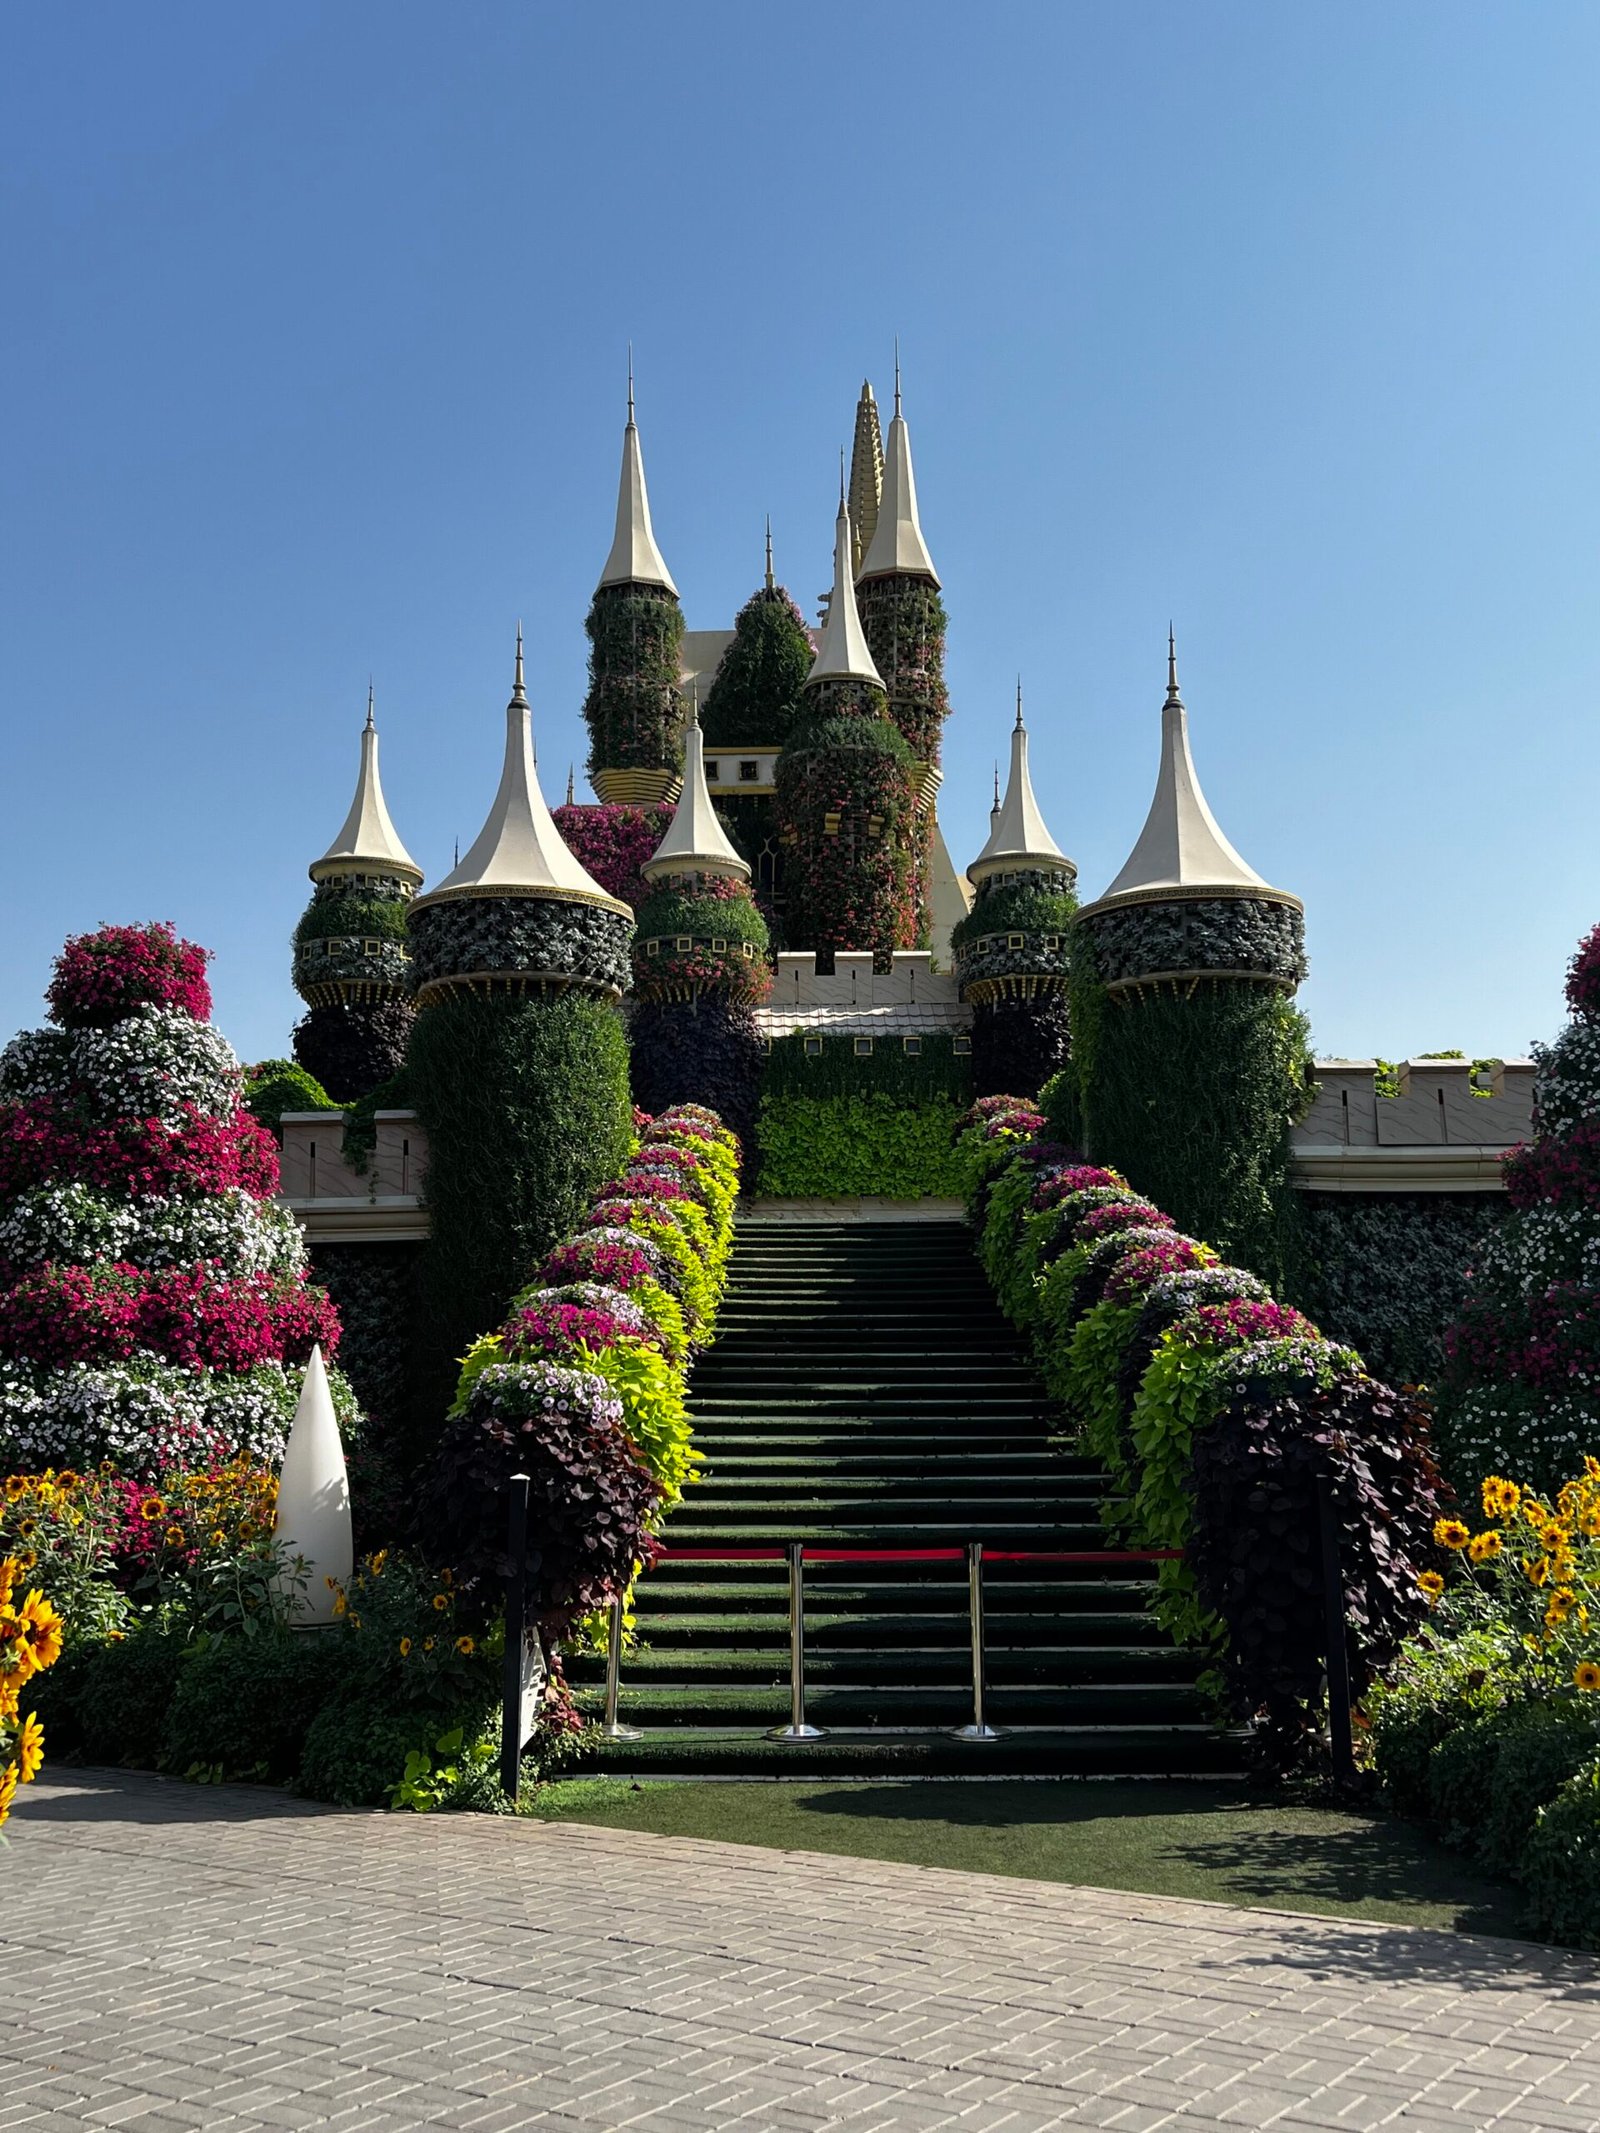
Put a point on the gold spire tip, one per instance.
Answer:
(897, 377)
(630, 385)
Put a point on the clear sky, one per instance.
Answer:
(1279, 321)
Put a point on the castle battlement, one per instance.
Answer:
(910, 999)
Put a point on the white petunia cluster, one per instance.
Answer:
(1566, 1082)
(1540, 1440)
(150, 1065)
(148, 1417)
(72, 1224)
(1539, 1246)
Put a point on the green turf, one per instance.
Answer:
(1188, 1839)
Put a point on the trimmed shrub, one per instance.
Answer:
(1561, 1863)
(838, 1147)
(241, 1706)
(754, 699)
(278, 1085)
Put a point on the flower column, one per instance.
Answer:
(518, 1061)
(1189, 1059)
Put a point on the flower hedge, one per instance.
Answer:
(583, 1385)
(153, 1301)
(1219, 1415)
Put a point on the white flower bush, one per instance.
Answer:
(72, 1224)
(151, 1065)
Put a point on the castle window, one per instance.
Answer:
(913, 1047)
(748, 950)
(813, 1047)
(652, 947)
(1016, 940)
(766, 1044)
(1052, 940)
(749, 771)
(863, 1047)
(713, 771)
(685, 943)
(961, 1046)
(719, 947)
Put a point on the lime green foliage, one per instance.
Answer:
(1084, 1379)
(1438, 1684)
(653, 1412)
(1013, 1240)
(452, 1772)
(278, 1085)
(700, 1290)
(842, 1147)
(936, 1071)
(486, 1349)
(1016, 908)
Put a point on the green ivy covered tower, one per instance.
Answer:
(897, 591)
(846, 794)
(351, 966)
(701, 962)
(1012, 948)
(1189, 1056)
(518, 1063)
(750, 712)
(634, 708)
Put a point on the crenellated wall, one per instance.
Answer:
(1445, 1130)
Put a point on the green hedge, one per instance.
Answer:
(278, 1085)
(871, 1145)
(1388, 1273)
(936, 1072)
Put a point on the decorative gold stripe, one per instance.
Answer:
(637, 787)
(1199, 893)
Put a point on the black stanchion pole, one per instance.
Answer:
(1340, 1737)
(516, 1631)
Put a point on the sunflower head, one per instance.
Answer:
(466, 1647)
(1430, 1585)
(1483, 1547)
(1450, 1533)
(1586, 1675)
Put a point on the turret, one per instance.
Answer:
(1011, 949)
(904, 620)
(633, 710)
(1186, 967)
(846, 793)
(351, 966)
(519, 914)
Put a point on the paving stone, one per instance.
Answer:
(228, 1960)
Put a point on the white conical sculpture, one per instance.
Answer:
(1018, 837)
(695, 841)
(634, 559)
(314, 1496)
(369, 841)
(897, 548)
(842, 653)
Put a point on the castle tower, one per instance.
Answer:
(518, 1064)
(866, 475)
(351, 966)
(701, 962)
(748, 716)
(846, 793)
(1186, 967)
(904, 619)
(1012, 948)
(633, 710)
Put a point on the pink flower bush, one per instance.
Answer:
(1233, 1324)
(1119, 1215)
(1583, 976)
(195, 1317)
(100, 977)
(1052, 1189)
(1133, 1277)
(643, 1185)
(603, 1259)
(613, 841)
(557, 1330)
(141, 1157)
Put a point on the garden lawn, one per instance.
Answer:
(1213, 1842)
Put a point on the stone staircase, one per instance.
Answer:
(865, 1392)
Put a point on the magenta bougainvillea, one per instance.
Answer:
(196, 1317)
(140, 1157)
(101, 977)
(558, 1330)
(613, 842)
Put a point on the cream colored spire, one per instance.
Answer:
(1017, 836)
(897, 547)
(695, 842)
(519, 850)
(866, 474)
(634, 559)
(1181, 845)
(369, 841)
(842, 653)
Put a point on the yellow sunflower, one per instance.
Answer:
(30, 1749)
(151, 1509)
(1431, 1584)
(441, 1601)
(1450, 1533)
(466, 1647)
(405, 1647)
(1536, 1568)
(1484, 1547)
(1586, 1675)
(8, 1792)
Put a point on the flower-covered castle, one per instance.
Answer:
(767, 803)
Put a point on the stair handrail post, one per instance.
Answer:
(610, 1727)
(1341, 1739)
(797, 1729)
(516, 1596)
(979, 1729)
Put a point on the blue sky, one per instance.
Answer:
(1279, 321)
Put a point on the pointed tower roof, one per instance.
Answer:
(897, 547)
(1181, 849)
(634, 559)
(866, 473)
(695, 842)
(369, 841)
(519, 851)
(1017, 834)
(842, 653)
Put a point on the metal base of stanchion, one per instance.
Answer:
(616, 1731)
(798, 1733)
(974, 1733)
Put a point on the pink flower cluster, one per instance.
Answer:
(140, 1157)
(196, 1317)
(1233, 1324)
(1553, 1344)
(637, 1186)
(1583, 976)
(102, 977)
(1107, 1219)
(1564, 1172)
(557, 1331)
(613, 841)
(1134, 1276)
(619, 1213)
(1058, 1185)
(616, 1266)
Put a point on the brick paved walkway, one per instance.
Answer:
(172, 1956)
